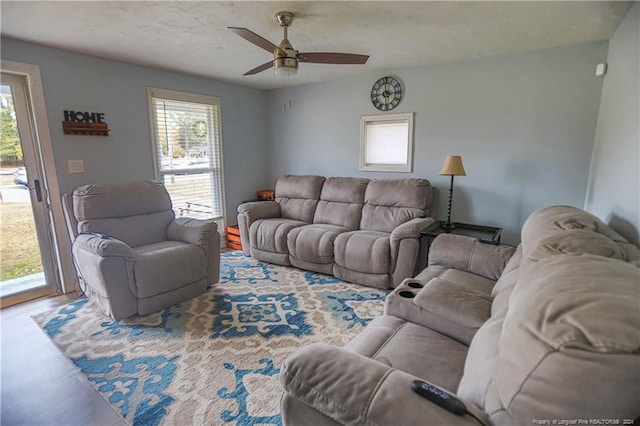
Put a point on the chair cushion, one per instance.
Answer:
(314, 243)
(403, 345)
(467, 280)
(271, 234)
(458, 304)
(166, 266)
(364, 251)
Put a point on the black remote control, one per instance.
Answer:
(439, 397)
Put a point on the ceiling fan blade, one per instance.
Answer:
(332, 58)
(260, 68)
(254, 38)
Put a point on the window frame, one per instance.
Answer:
(180, 96)
(365, 120)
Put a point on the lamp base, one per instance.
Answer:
(448, 226)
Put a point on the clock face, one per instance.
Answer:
(386, 93)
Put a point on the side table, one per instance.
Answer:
(485, 234)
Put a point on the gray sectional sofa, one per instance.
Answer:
(360, 230)
(547, 332)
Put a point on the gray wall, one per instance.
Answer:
(523, 123)
(78, 82)
(615, 181)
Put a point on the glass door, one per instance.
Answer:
(27, 268)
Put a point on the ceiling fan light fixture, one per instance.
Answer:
(286, 71)
(285, 66)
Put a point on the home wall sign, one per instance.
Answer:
(84, 123)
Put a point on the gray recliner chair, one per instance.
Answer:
(131, 252)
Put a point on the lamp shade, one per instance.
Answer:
(453, 166)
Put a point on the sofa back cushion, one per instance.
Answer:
(137, 213)
(341, 202)
(569, 343)
(392, 202)
(298, 196)
(577, 241)
(546, 223)
(485, 260)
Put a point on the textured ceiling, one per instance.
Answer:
(191, 37)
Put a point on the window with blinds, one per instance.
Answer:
(386, 142)
(188, 152)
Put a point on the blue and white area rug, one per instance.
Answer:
(215, 359)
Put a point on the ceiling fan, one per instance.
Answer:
(285, 57)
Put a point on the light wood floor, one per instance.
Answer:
(38, 385)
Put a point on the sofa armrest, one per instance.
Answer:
(250, 212)
(204, 234)
(442, 306)
(259, 210)
(405, 248)
(470, 255)
(105, 266)
(355, 390)
(103, 246)
(192, 231)
(410, 229)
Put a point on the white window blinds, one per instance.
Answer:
(386, 142)
(188, 152)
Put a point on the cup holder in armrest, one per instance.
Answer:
(407, 294)
(415, 284)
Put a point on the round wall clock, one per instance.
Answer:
(386, 93)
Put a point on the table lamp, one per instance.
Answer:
(452, 167)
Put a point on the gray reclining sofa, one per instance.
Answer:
(360, 230)
(548, 333)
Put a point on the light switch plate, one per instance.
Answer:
(76, 166)
(601, 69)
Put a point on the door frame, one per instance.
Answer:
(61, 246)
